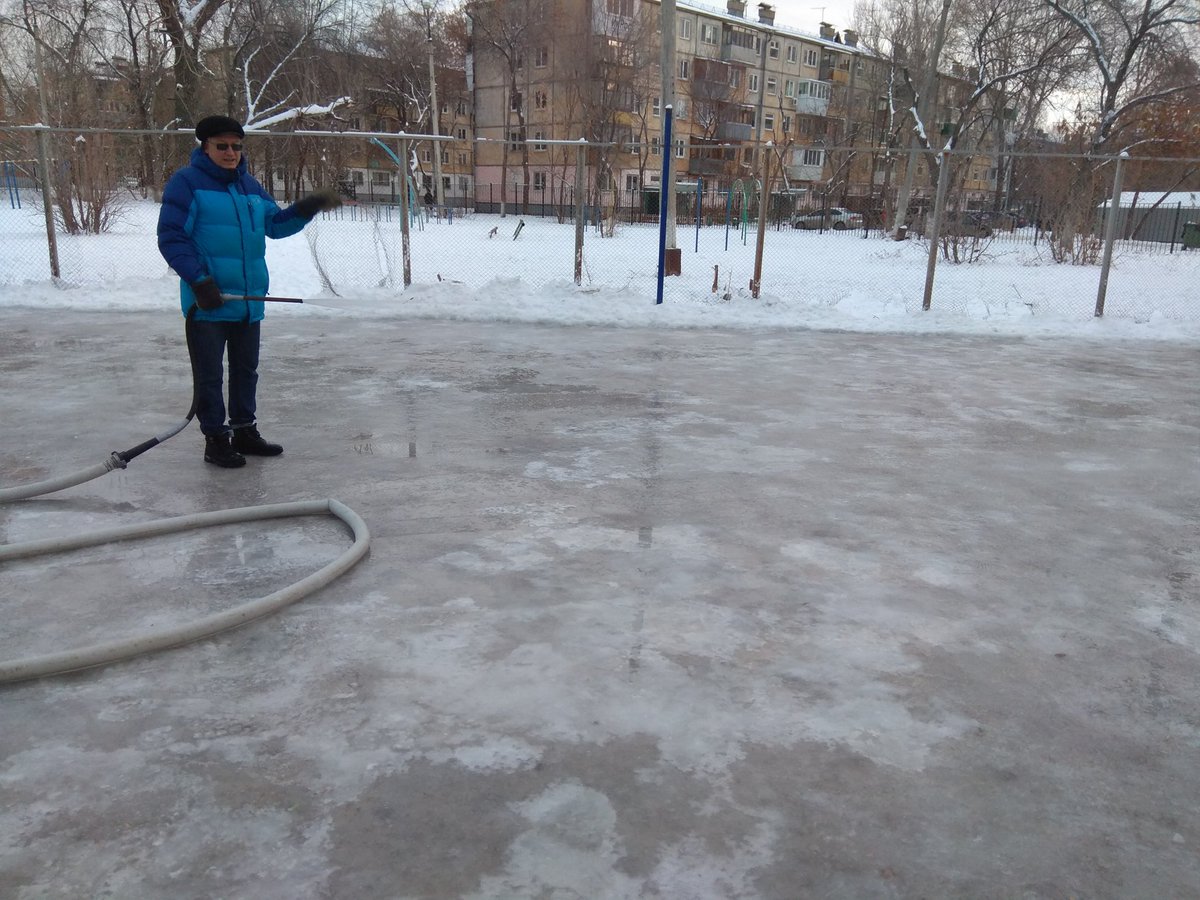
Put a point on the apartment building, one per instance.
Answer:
(591, 68)
(738, 83)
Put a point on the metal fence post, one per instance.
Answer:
(936, 230)
(1110, 231)
(47, 202)
(668, 110)
(579, 152)
(405, 251)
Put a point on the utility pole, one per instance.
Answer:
(668, 99)
(433, 105)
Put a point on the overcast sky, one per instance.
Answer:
(806, 14)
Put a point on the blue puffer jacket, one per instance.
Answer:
(215, 222)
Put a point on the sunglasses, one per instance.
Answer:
(224, 147)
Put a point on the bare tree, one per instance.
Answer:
(185, 24)
(511, 30)
(61, 35)
(1123, 39)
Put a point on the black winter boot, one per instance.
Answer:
(219, 451)
(247, 440)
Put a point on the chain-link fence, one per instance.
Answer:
(1028, 236)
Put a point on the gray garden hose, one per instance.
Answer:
(150, 641)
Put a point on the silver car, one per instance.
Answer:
(836, 217)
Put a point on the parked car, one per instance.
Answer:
(969, 224)
(835, 217)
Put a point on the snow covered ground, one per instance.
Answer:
(837, 281)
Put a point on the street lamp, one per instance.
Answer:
(433, 105)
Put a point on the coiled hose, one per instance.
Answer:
(60, 662)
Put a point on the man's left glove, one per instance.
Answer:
(321, 201)
(208, 293)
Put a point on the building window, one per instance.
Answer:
(426, 156)
(684, 68)
(541, 58)
(514, 101)
(655, 147)
(791, 53)
(814, 157)
(772, 86)
(539, 181)
(539, 99)
(810, 57)
(735, 78)
(773, 49)
(769, 121)
(753, 85)
(622, 8)
(656, 106)
(358, 177)
(514, 140)
(680, 149)
(708, 33)
(462, 159)
(685, 29)
(631, 183)
(789, 88)
(680, 107)
(382, 179)
(539, 142)
(787, 124)
(462, 134)
(445, 157)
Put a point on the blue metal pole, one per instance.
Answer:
(699, 209)
(728, 213)
(668, 111)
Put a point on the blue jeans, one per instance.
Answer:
(209, 342)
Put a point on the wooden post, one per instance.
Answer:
(764, 199)
(47, 201)
(936, 229)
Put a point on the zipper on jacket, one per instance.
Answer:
(235, 193)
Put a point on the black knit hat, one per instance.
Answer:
(211, 126)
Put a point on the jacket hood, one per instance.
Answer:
(201, 161)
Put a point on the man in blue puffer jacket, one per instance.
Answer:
(212, 231)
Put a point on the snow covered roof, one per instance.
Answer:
(1162, 199)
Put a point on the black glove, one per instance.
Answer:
(208, 295)
(321, 201)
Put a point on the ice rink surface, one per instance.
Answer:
(647, 613)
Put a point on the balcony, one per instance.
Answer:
(734, 131)
(805, 173)
(737, 45)
(812, 98)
